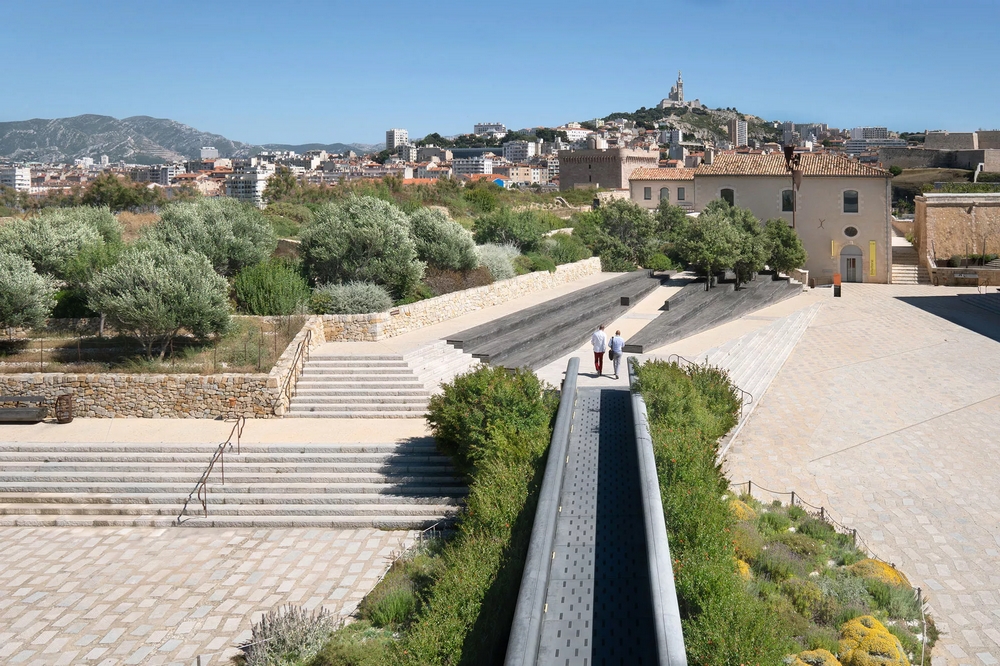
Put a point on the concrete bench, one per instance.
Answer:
(23, 414)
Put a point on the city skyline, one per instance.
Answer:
(442, 70)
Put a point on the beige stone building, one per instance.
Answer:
(648, 187)
(956, 225)
(841, 210)
(607, 168)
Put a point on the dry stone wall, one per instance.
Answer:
(118, 395)
(382, 325)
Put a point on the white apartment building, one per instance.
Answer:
(248, 182)
(738, 132)
(519, 151)
(407, 152)
(574, 134)
(467, 166)
(395, 138)
(18, 178)
(870, 133)
(481, 129)
(209, 153)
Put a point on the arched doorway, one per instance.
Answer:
(850, 264)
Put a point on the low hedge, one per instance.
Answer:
(496, 425)
(757, 583)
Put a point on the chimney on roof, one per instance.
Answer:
(709, 155)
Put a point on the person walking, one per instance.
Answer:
(599, 340)
(616, 347)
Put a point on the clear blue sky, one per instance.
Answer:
(300, 71)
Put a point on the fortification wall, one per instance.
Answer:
(382, 325)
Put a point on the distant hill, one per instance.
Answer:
(138, 140)
(703, 123)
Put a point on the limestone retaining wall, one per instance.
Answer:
(117, 395)
(382, 325)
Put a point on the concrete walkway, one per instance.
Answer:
(889, 415)
(113, 596)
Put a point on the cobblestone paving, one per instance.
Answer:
(109, 596)
(890, 416)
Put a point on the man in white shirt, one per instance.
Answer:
(617, 345)
(599, 340)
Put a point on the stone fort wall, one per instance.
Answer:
(382, 325)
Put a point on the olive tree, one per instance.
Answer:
(709, 243)
(784, 246)
(55, 239)
(230, 233)
(26, 298)
(154, 292)
(362, 239)
(441, 242)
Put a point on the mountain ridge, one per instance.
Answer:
(135, 139)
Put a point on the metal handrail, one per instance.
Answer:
(526, 627)
(201, 488)
(746, 398)
(301, 353)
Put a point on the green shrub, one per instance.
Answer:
(659, 262)
(747, 541)
(805, 595)
(778, 562)
(520, 228)
(392, 609)
(498, 260)
(270, 288)
(441, 242)
(615, 258)
(230, 233)
(800, 544)
(522, 264)
(26, 298)
(773, 522)
(495, 425)
(350, 298)
(540, 262)
(822, 638)
(817, 529)
(483, 197)
(723, 623)
(466, 413)
(362, 239)
(897, 602)
(71, 304)
(565, 248)
(288, 219)
(796, 513)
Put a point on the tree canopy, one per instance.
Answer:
(230, 233)
(362, 239)
(155, 291)
(26, 298)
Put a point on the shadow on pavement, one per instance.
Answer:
(956, 310)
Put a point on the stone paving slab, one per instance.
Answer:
(112, 596)
(889, 416)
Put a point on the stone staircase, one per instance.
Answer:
(375, 386)
(348, 486)
(906, 268)
(754, 359)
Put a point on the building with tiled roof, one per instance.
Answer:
(840, 208)
(773, 164)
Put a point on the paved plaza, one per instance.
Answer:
(106, 596)
(889, 416)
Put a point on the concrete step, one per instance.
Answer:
(378, 510)
(318, 413)
(455, 498)
(387, 467)
(328, 522)
(231, 487)
(424, 446)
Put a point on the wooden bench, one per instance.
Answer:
(23, 414)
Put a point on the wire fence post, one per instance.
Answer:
(793, 498)
(854, 537)
(749, 489)
(822, 514)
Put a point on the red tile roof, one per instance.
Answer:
(773, 164)
(645, 173)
